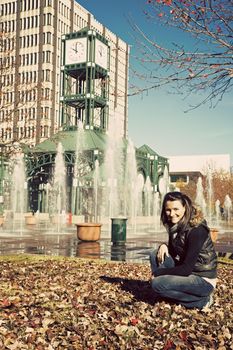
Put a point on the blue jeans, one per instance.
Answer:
(190, 291)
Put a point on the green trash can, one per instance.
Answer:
(118, 252)
(118, 230)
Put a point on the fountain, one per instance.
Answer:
(140, 187)
(227, 208)
(157, 210)
(134, 195)
(210, 197)
(113, 170)
(48, 189)
(96, 187)
(217, 212)
(200, 199)
(148, 196)
(58, 192)
(130, 186)
(211, 211)
(78, 169)
(18, 191)
(164, 183)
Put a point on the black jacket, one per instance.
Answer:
(206, 264)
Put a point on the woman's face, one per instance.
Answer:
(174, 211)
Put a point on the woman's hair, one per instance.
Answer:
(185, 201)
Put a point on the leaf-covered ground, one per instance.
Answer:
(88, 304)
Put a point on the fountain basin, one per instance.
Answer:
(88, 231)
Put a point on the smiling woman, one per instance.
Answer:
(184, 270)
(174, 211)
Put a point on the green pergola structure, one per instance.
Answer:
(150, 163)
(40, 163)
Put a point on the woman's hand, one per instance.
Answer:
(162, 253)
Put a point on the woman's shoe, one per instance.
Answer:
(209, 302)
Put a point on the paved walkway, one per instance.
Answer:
(46, 240)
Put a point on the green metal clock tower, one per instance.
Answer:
(84, 98)
(85, 80)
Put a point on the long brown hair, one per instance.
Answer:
(185, 201)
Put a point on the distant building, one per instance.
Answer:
(186, 168)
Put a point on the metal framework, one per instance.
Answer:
(85, 85)
(84, 100)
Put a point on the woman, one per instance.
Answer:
(185, 270)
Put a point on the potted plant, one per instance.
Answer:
(88, 231)
(30, 219)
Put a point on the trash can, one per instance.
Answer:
(118, 252)
(118, 230)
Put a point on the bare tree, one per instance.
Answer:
(207, 68)
(222, 186)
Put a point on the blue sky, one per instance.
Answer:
(158, 118)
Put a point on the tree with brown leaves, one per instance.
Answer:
(203, 65)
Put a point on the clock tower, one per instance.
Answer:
(85, 80)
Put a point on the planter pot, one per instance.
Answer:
(58, 219)
(88, 231)
(30, 220)
(1, 220)
(214, 234)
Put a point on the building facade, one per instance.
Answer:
(30, 64)
(186, 168)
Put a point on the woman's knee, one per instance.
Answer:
(160, 283)
(153, 259)
(153, 253)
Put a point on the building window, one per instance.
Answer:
(47, 93)
(34, 4)
(48, 56)
(48, 2)
(47, 38)
(46, 131)
(33, 113)
(45, 112)
(47, 19)
(46, 75)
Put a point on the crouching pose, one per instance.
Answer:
(185, 270)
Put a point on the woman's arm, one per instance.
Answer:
(195, 241)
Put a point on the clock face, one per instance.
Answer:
(76, 50)
(101, 54)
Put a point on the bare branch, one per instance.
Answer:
(208, 68)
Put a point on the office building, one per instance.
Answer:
(30, 64)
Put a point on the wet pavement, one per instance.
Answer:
(42, 239)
